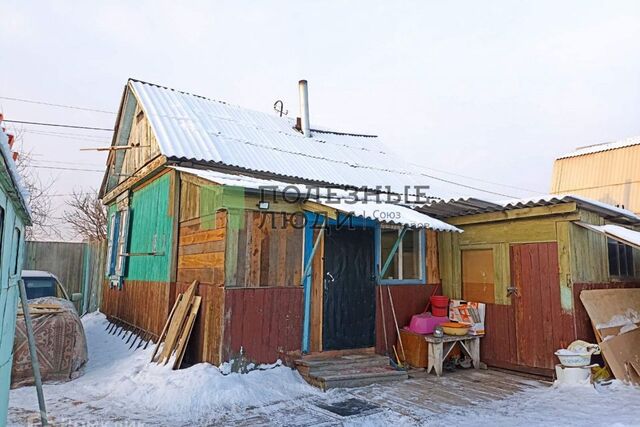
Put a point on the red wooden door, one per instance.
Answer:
(541, 327)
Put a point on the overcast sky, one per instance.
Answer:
(488, 90)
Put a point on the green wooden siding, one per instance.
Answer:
(151, 230)
(10, 249)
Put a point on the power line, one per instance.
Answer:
(478, 179)
(68, 169)
(56, 125)
(51, 104)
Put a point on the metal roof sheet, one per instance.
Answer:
(468, 206)
(387, 213)
(199, 129)
(627, 142)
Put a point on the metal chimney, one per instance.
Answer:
(304, 108)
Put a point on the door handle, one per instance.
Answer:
(331, 277)
(512, 291)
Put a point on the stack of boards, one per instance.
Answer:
(176, 332)
(41, 309)
(615, 316)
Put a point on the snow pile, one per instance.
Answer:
(121, 381)
(626, 322)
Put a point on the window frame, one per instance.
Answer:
(422, 245)
(2, 219)
(628, 250)
(17, 235)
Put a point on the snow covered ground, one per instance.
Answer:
(120, 387)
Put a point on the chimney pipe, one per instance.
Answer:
(304, 108)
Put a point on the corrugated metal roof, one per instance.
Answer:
(462, 207)
(386, 213)
(199, 129)
(627, 142)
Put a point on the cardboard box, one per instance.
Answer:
(468, 312)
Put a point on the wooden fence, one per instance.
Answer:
(79, 266)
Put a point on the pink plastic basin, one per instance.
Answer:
(425, 323)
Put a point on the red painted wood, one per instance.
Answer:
(408, 300)
(263, 321)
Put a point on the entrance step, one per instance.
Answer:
(348, 370)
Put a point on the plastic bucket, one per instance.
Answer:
(439, 306)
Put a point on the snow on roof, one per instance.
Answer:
(18, 192)
(616, 232)
(196, 128)
(627, 142)
(344, 201)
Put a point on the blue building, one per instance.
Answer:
(14, 216)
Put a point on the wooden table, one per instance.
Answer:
(439, 349)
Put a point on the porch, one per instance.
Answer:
(420, 400)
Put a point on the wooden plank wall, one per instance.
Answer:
(408, 300)
(265, 322)
(64, 259)
(269, 254)
(143, 304)
(583, 328)
(201, 254)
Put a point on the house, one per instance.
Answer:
(14, 216)
(287, 228)
(528, 260)
(606, 172)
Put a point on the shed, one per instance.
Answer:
(14, 216)
(286, 232)
(528, 260)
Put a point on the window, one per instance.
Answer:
(117, 246)
(620, 259)
(408, 262)
(16, 261)
(1, 230)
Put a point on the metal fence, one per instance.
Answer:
(79, 266)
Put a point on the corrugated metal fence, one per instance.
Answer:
(79, 266)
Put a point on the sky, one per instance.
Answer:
(485, 94)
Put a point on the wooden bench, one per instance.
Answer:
(439, 349)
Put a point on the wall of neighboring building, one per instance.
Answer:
(11, 253)
(611, 176)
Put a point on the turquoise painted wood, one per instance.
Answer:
(150, 230)
(11, 259)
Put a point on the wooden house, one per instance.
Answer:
(242, 201)
(528, 260)
(606, 172)
(14, 216)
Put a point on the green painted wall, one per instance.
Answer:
(11, 246)
(151, 229)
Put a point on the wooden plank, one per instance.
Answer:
(254, 247)
(205, 260)
(203, 236)
(433, 270)
(177, 323)
(186, 332)
(564, 208)
(201, 248)
(164, 329)
(317, 290)
(478, 275)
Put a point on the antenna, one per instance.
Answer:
(279, 107)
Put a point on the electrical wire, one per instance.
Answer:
(56, 125)
(68, 169)
(478, 179)
(51, 104)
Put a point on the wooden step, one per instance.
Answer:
(347, 370)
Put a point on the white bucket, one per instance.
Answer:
(572, 375)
